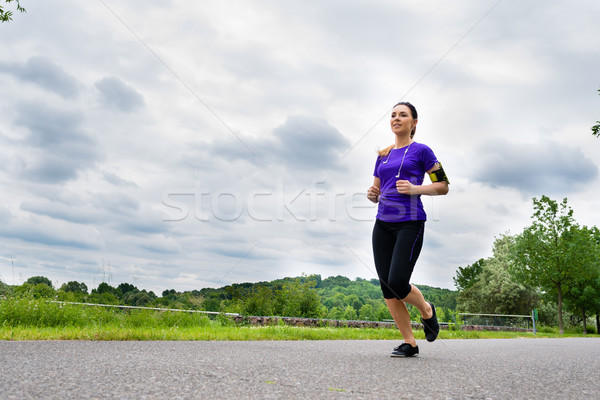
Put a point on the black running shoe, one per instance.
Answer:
(405, 350)
(431, 326)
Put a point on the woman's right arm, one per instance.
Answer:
(374, 191)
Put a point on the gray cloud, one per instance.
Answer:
(116, 180)
(351, 25)
(89, 208)
(306, 143)
(546, 167)
(5, 214)
(51, 239)
(39, 229)
(303, 144)
(117, 95)
(75, 213)
(56, 148)
(120, 214)
(45, 73)
(141, 224)
(116, 202)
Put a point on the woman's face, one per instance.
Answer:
(401, 120)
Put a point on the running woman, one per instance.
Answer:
(400, 222)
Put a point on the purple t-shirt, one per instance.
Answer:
(393, 206)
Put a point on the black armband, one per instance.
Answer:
(439, 176)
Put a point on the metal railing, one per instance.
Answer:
(511, 320)
(145, 308)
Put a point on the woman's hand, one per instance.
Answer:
(405, 187)
(373, 194)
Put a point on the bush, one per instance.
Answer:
(548, 313)
(590, 329)
(41, 313)
(211, 304)
(5, 290)
(259, 303)
(181, 319)
(41, 290)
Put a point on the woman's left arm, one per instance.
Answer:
(433, 189)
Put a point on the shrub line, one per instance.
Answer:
(144, 308)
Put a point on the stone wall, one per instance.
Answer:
(315, 322)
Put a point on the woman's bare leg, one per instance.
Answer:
(415, 298)
(402, 319)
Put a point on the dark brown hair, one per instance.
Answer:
(414, 115)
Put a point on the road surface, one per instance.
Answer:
(567, 368)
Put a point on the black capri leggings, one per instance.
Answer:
(396, 247)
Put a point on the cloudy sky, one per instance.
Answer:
(185, 145)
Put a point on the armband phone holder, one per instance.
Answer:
(439, 176)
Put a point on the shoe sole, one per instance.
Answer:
(402, 355)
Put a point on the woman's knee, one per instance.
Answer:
(403, 290)
(396, 291)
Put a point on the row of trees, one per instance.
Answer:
(553, 265)
(306, 296)
(42, 287)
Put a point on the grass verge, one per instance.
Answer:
(215, 332)
(26, 319)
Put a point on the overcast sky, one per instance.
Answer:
(182, 145)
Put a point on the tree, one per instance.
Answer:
(584, 293)
(543, 253)
(596, 128)
(494, 289)
(34, 280)
(74, 287)
(335, 313)
(42, 290)
(211, 304)
(336, 281)
(595, 306)
(497, 293)
(6, 16)
(106, 288)
(354, 301)
(298, 299)
(467, 276)
(367, 313)
(4, 289)
(382, 312)
(350, 313)
(139, 298)
(125, 288)
(260, 302)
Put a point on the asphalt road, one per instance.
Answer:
(546, 369)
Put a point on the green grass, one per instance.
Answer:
(217, 332)
(26, 319)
